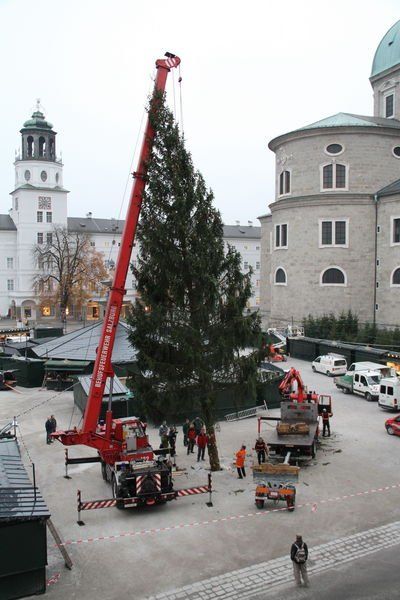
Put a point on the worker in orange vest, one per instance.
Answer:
(325, 422)
(240, 458)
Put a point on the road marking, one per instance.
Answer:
(263, 513)
(248, 582)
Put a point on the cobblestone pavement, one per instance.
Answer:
(248, 582)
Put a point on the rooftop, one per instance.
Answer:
(387, 54)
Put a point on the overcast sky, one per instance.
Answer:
(250, 71)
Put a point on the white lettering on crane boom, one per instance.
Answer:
(105, 350)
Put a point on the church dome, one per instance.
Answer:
(387, 54)
(37, 121)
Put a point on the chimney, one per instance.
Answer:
(250, 223)
(89, 215)
(237, 223)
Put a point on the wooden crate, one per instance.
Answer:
(292, 428)
(279, 469)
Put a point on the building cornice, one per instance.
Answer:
(34, 188)
(320, 200)
(275, 143)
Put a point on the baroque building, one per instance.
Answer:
(332, 239)
(39, 202)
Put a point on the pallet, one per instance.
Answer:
(292, 428)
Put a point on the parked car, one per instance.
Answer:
(389, 393)
(330, 364)
(393, 425)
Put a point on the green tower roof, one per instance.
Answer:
(37, 121)
(387, 54)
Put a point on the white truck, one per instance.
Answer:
(389, 393)
(364, 383)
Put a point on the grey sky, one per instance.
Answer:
(251, 70)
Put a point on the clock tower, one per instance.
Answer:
(39, 202)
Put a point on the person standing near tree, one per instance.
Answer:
(191, 438)
(198, 425)
(240, 460)
(299, 557)
(172, 440)
(185, 429)
(202, 441)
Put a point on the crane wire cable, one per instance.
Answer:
(181, 101)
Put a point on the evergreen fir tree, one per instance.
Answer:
(191, 321)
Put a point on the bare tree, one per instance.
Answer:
(70, 269)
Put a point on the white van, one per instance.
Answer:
(384, 370)
(389, 393)
(330, 364)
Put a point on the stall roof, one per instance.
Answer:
(82, 345)
(118, 386)
(17, 496)
(77, 366)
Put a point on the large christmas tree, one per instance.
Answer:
(191, 322)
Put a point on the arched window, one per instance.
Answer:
(280, 276)
(333, 276)
(51, 148)
(334, 177)
(30, 146)
(284, 183)
(42, 147)
(396, 276)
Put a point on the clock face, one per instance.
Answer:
(27, 175)
(43, 175)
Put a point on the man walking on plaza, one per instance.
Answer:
(49, 430)
(185, 430)
(299, 557)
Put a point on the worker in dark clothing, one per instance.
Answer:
(299, 557)
(201, 441)
(261, 449)
(172, 440)
(53, 424)
(325, 422)
(185, 429)
(198, 425)
(49, 430)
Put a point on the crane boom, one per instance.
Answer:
(103, 367)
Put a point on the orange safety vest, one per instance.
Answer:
(240, 458)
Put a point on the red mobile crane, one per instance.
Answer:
(138, 474)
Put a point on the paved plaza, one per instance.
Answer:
(347, 506)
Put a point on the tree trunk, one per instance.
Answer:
(212, 444)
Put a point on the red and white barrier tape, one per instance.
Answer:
(314, 505)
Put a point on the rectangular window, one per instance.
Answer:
(277, 236)
(40, 238)
(340, 176)
(281, 236)
(257, 266)
(333, 233)
(245, 265)
(390, 390)
(284, 183)
(10, 285)
(340, 233)
(396, 231)
(93, 244)
(49, 238)
(49, 217)
(39, 216)
(327, 181)
(389, 106)
(326, 233)
(10, 263)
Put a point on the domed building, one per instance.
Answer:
(332, 239)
